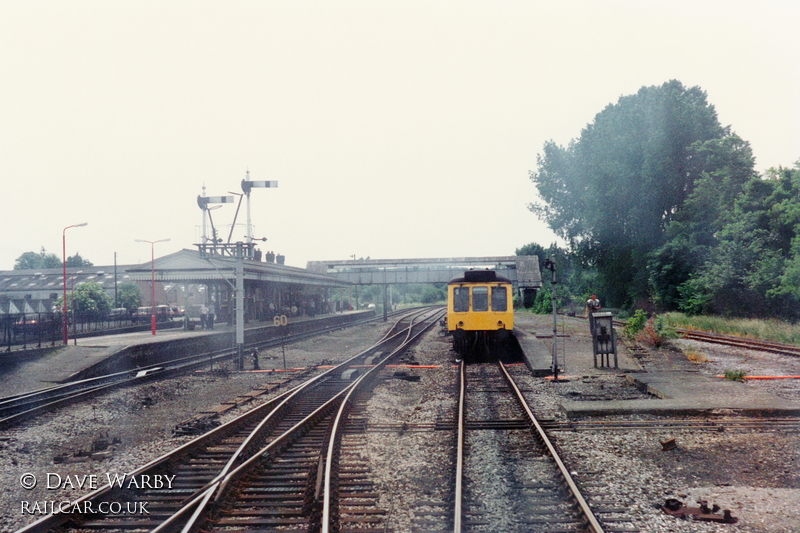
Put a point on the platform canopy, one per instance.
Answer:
(523, 271)
(191, 266)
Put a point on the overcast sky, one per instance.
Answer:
(395, 129)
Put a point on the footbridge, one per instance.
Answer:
(523, 271)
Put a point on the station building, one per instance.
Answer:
(186, 279)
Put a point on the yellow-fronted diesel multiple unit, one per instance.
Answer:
(480, 309)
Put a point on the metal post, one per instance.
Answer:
(64, 257)
(152, 281)
(240, 303)
(385, 302)
(550, 265)
(116, 296)
(153, 288)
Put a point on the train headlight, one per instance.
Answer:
(500, 323)
(460, 323)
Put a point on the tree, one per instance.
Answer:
(755, 268)
(433, 294)
(32, 260)
(575, 281)
(129, 296)
(89, 300)
(724, 166)
(612, 192)
(78, 261)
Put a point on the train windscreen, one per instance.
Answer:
(499, 299)
(460, 299)
(480, 298)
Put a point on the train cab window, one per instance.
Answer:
(460, 299)
(480, 298)
(499, 299)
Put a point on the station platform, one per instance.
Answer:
(93, 356)
(677, 387)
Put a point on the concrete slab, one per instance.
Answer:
(679, 390)
(684, 407)
(573, 344)
(537, 356)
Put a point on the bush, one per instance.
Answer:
(735, 375)
(433, 295)
(657, 332)
(635, 325)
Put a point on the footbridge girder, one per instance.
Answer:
(523, 271)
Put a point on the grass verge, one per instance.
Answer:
(771, 330)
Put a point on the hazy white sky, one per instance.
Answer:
(395, 129)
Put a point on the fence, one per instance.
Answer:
(23, 331)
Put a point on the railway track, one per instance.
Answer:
(259, 469)
(532, 489)
(20, 407)
(733, 340)
(741, 342)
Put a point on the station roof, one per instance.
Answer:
(21, 291)
(44, 283)
(192, 266)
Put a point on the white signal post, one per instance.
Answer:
(247, 186)
(203, 201)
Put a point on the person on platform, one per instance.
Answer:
(592, 307)
(203, 316)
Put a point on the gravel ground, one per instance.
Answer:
(754, 473)
(142, 419)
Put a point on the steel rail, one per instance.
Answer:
(335, 437)
(19, 407)
(216, 489)
(458, 511)
(592, 522)
(48, 522)
(221, 486)
(741, 342)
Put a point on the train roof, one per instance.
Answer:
(480, 276)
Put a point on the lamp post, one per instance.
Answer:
(64, 258)
(152, 281)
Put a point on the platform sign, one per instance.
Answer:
(281, 320)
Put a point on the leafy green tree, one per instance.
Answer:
(723, 167)
(753, 271)
(89, 300)
(32, 260)
(433, 294)
(129, 296)
(78, 261)
(575, 281)
(612, 192)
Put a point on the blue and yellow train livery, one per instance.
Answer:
(480, 311)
